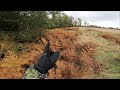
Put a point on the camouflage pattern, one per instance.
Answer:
(31, 73)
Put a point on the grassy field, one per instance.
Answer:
(108, 52)
(86, 53)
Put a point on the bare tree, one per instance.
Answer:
(85, 23)
(80, 21)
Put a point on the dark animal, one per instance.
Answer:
(2, 55)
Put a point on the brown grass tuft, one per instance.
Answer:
(110, 37)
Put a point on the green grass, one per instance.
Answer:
(107, 75)
(19, 48)
(107, 54)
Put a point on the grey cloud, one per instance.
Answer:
(98, 17)
(107, 15)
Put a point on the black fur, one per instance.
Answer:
(2, 55)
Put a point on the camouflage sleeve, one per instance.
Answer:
(31, 73)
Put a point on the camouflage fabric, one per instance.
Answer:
(31, 73)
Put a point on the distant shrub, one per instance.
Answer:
(89, 29)
(110, 37)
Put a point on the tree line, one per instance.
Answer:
(24, 25)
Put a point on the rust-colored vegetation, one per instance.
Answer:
(76, 60)
(111, 37)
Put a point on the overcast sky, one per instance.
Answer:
(100, 18)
